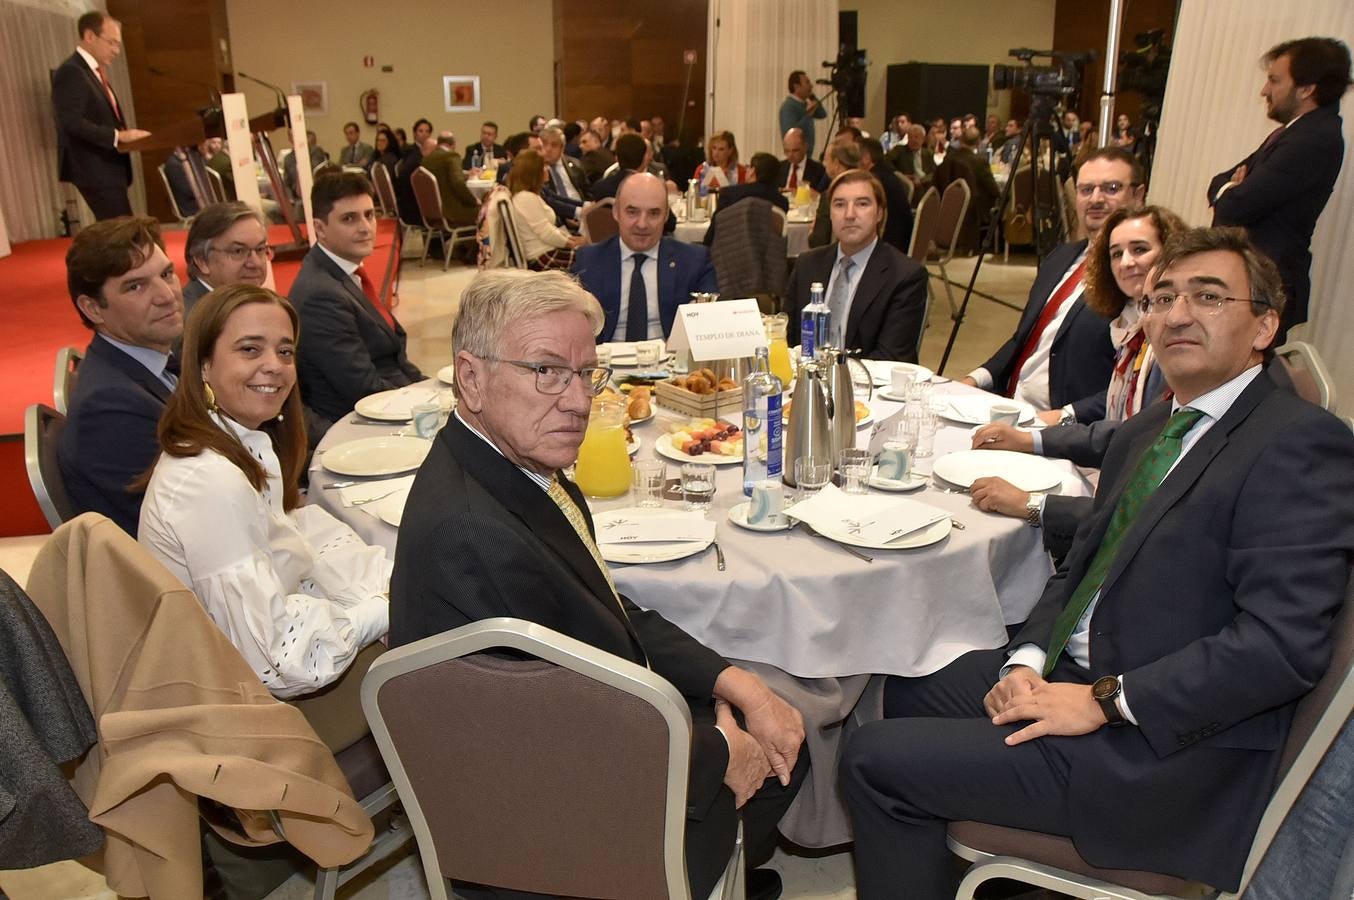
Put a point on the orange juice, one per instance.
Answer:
(603, 467)
(778, 348)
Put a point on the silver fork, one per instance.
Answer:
(374, 499)
(847, 547)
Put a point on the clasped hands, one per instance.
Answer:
(772, 738)
(1050, 707)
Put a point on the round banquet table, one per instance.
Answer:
(816, 622)
(796, 234)
(479, 186)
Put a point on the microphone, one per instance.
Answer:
(282, 118)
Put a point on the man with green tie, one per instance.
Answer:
(1142, 708)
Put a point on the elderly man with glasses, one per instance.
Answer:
(227, 244)
(1060, 358)
(1143, 707)
(494, 528)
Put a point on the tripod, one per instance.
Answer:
(833, 121)
(1038, 130)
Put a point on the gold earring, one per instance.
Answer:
(210, 396)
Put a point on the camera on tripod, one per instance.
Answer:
(1058, 80)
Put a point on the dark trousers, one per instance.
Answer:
(937, 758)
(105, 201)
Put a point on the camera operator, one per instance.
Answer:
(800, 107)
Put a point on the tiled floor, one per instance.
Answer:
(428, 301)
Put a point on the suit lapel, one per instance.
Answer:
(872, 281)
(129, 367)
(93, 79)
(667, 275)
(354, 292)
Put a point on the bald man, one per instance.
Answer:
(639, 276)
(798, 167)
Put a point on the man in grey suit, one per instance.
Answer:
(355, 153)
(227, 244)
(351, 343)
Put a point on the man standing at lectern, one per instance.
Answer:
(91, 128)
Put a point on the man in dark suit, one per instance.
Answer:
(1278, 192)
(765, 170)
(490, 501)
(639, 276)
(1145, 703)
(596, 159)
(913, 161)
(186, 172)
(91, 130)
(965, 164)
(898, 228)
(459, 206)
(125, 290)
(1060, 357)
(877, 295)
(355, 151)
(351, 344)
(227, 244)
(798, 167)
(478, 154)
(566, 185)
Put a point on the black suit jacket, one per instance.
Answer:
(1082, 357)
(889, 308)
(347, 350)
(479, 539)
(85, 128)
(1286, 187)
(1217, 612)
(466, 162)
(813, 173)
(109, 438)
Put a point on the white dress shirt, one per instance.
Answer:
(348, 266)
(297, 593)
(859, 261)
(654, 329)
(563, 176)
(1213, 405)
(798, 172)
(153, 360)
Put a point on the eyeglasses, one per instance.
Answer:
(1108, 188)
(1205, 302)
(556, 379)
(239, 253)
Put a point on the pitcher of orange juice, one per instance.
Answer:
(603, 468)
(780, 350)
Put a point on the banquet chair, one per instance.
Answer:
(1052, 862)
(508, 225)
(218, 187)
(950, 223)
(598, 220)
(780, 221)
(924, 222)
(385, 190)
(571, 764)
(1019, 225)
(1311, 379)
(173, 201)
(67, 374)
(429, 197)
(42, 433)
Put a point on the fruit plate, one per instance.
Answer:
(665, 448)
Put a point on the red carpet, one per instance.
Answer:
(40, 320)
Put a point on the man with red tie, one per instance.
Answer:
(351, 344)
(798, 167)
(92, 132)
(1060, 357)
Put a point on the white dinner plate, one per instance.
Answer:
(633, 446)
(974, 410)
(447, 374)
(922, 537)
(646, 418)
(380, 408)
(390, 509)
(1025, 471)
(738, 515)
(881, 370)
(664, 447)
(376, 456)
(911, 483)
(651, 552)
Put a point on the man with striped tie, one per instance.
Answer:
(1142, 708)
(1060, 358)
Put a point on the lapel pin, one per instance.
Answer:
(672, 264)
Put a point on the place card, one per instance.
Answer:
(729, 329)
(623, 526)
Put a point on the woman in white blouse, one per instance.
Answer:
(544, 244)
(295, 590)
(721, 167)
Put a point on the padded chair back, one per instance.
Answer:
(749, 249)
(569, 769)
(428, 196)
(953, 207)
(924, 224)
(42, 434)
(217, 185)
(66, 375)
(599, 221)
(385, 190)
(908, 188)
(169, 192)
(516, 257)
(1311, 379)
(781, 218)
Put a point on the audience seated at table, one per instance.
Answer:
(411, 157)
(477, 155)
(186, 172)
(318, 157)
(912, 161)
(842, 156)
(798, 168)
(765, 170)
(966, 163)
(639, 276)
(459, 206)
(295, 590)
(227, 244)
(352, 345)
(1143, 707)
(566, 184)
(876, 294)
(721, 167)
(898, 228)
(544, 244)
(494, 528)
(387, 150)
(124, 289)
(355, 152)
(595, 158)
(515, 144)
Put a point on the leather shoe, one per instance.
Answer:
(763, 884)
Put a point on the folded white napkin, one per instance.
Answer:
(874, 518)
(624, 527)
(369, 491)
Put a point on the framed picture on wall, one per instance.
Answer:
(461, 93)
(314, 96)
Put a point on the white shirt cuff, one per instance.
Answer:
(982, 377)
(1121, 701)
(1037, 441)
(1025, 655)
(1222, 190)
(1070, 411)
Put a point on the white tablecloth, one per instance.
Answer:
(479, 186)
(796, 235)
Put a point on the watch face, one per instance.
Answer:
(1105, 687)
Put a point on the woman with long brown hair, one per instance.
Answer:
(545, 244)
(295, 590)
(721, 167)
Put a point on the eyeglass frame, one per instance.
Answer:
(595, 388)
(239, 253)
(1088, 190)
(1147, 305)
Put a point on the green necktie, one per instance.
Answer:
(1151, 470)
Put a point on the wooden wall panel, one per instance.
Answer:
(1078, 25)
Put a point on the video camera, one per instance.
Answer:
(1061, 79)
(848, 72)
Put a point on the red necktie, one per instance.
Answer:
(794, 178)
(108, 89)
(1065, 290)
(370, 290)
(1273, 136)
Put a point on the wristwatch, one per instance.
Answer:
(1032, 517)
(1067, 417)
(1106, 690)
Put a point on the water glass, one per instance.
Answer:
(854, 466)
(427, 419)
(812, 475)
(647, 353)
(604, 355)
(926, 424)
(698, 486)
(646, 480)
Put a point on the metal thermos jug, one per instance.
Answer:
(810, 431)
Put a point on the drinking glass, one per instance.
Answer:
(646, 480)
(854, 466)
(812, 474)
(427, 419)
(924, 423)
(647, 353)
(604, 355)
(698, 486)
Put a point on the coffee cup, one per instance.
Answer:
(1008, 413)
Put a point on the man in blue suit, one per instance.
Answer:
(639, 276)
(125, 290)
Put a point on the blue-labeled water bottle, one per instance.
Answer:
(810, 317)
(761, 424)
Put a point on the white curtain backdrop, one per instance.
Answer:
(1213, 117)
(753, 46)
